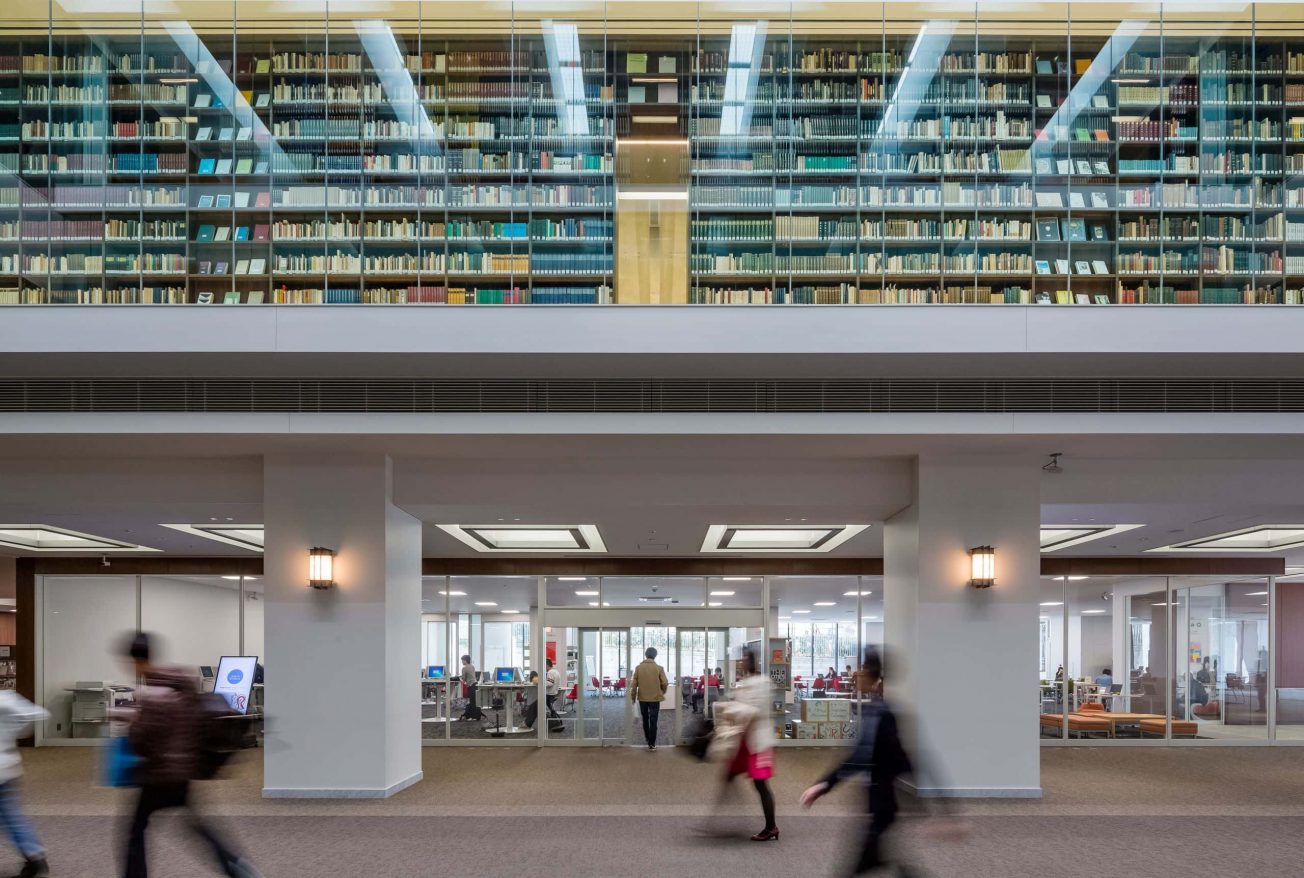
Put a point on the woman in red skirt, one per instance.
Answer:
(749, 713)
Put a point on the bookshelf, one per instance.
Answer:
(962, 168)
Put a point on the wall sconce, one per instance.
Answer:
(982, 567)
(321, 567)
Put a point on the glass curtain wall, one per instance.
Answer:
(413, 152)
(84, 621)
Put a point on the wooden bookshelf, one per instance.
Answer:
(950, 169)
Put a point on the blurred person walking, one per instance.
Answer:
(648, 687)
(746, 720)
(166, 736)
(878, 754)
(16, 717)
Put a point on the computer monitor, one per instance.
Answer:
(235, 679)
(435, 672)
(504, 675)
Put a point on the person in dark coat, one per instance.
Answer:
(879, 755)
(165, 736)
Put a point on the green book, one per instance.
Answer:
(1081, 134)
(205, 233)
(244, 166)
(636, 62)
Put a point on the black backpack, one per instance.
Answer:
(222, 732)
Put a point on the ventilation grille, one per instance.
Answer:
(873, 396)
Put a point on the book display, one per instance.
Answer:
(823, 169)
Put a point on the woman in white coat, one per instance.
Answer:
(747, 718)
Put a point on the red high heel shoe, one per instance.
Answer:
(767, 835)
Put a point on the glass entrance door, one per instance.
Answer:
(703, 655)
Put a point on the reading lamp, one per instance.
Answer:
(982, 567)
(321, 567)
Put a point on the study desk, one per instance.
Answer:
(485, 693)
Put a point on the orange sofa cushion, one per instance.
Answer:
(1180, 727)
(1090, 706)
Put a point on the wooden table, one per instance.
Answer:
(1114, 718)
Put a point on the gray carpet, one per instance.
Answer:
(613, 847)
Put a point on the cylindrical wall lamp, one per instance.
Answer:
(982, 567)
(321, 567)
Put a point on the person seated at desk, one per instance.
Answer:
(1104, 680)
(708, 680)
(531, 712)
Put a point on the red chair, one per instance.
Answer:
(620, 686)
(597, 687)
(606, 685)
(571, 697)
(799, 686)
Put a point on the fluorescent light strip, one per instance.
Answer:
(1097, 532)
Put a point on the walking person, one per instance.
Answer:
(648, 687)
(16, 717)
(552, 686)
(878, 754)
(165, 735)
(746, 718)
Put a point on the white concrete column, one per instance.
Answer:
(342, 697)
(962, 662)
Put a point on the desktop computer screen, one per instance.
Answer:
(435, 672)
(504, 675)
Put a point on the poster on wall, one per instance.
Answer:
(780, 663)
(235, 679)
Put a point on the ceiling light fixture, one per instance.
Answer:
(788, 539)
(586, 594)
(454, 594)
(572, 579)
(735, 579)
(1262, 538)
(1093, 612)
(1052, 603)
(246, 536)
(852, 594)
(722, 594)
(508, 538)
(1060, 536)
(46, 538)
(801, 612)
(825, 604)
(486, 604)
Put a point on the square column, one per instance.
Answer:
(342, 697)
(961, 662)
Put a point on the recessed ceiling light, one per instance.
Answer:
(568, 538)
(778, 538)
(1069, 578)
(852, 594)
(1093, 612)
(231, 578)
(1255, 594)
(785, 618)
(1159, 605)
(485, 604)
(593, 603)
(246, 536)
(509, 612)
(716, 604)
(722, 594)
(825, 604)
(1263, 538)
(1052, 603)
(572, 579)
(871, 618)
(735, 579)
(1060, 536)
(586, 594)
(454, 594)
(800, 612)
(46, 538)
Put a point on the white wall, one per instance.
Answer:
(1098, 647)
(253, 632)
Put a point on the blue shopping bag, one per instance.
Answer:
(120, 763)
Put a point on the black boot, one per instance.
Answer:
(36, 868)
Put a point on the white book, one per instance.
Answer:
(1076, 200)
(223, 166)
(241, 198)
(1099, 199)
(204, 133)
(263, 100)
(203, 99)
(1049, 199)
(666, 64)
(245, 134)
(1061, 266)
(242, 266)
(1062, 166)
(257, 266)
(222, 233)
(1099, 266)
(667, 93)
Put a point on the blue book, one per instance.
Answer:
(207, 166)
(242, 233)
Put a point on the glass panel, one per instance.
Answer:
(1220, 651)
(1289, 630)
(499, 613)
(1093, 673)
(653, 592)
(196, 619)
(610, 682)
(439, 666)
(83, 623)
(1057, 685)
(815, 625)
(735, 591)
(1145, 604)
(572, 591)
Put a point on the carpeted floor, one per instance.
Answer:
(611, 812)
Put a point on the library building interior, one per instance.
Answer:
(924, 373)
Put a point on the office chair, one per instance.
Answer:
(496, 704)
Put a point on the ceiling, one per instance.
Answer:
(654, 496)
